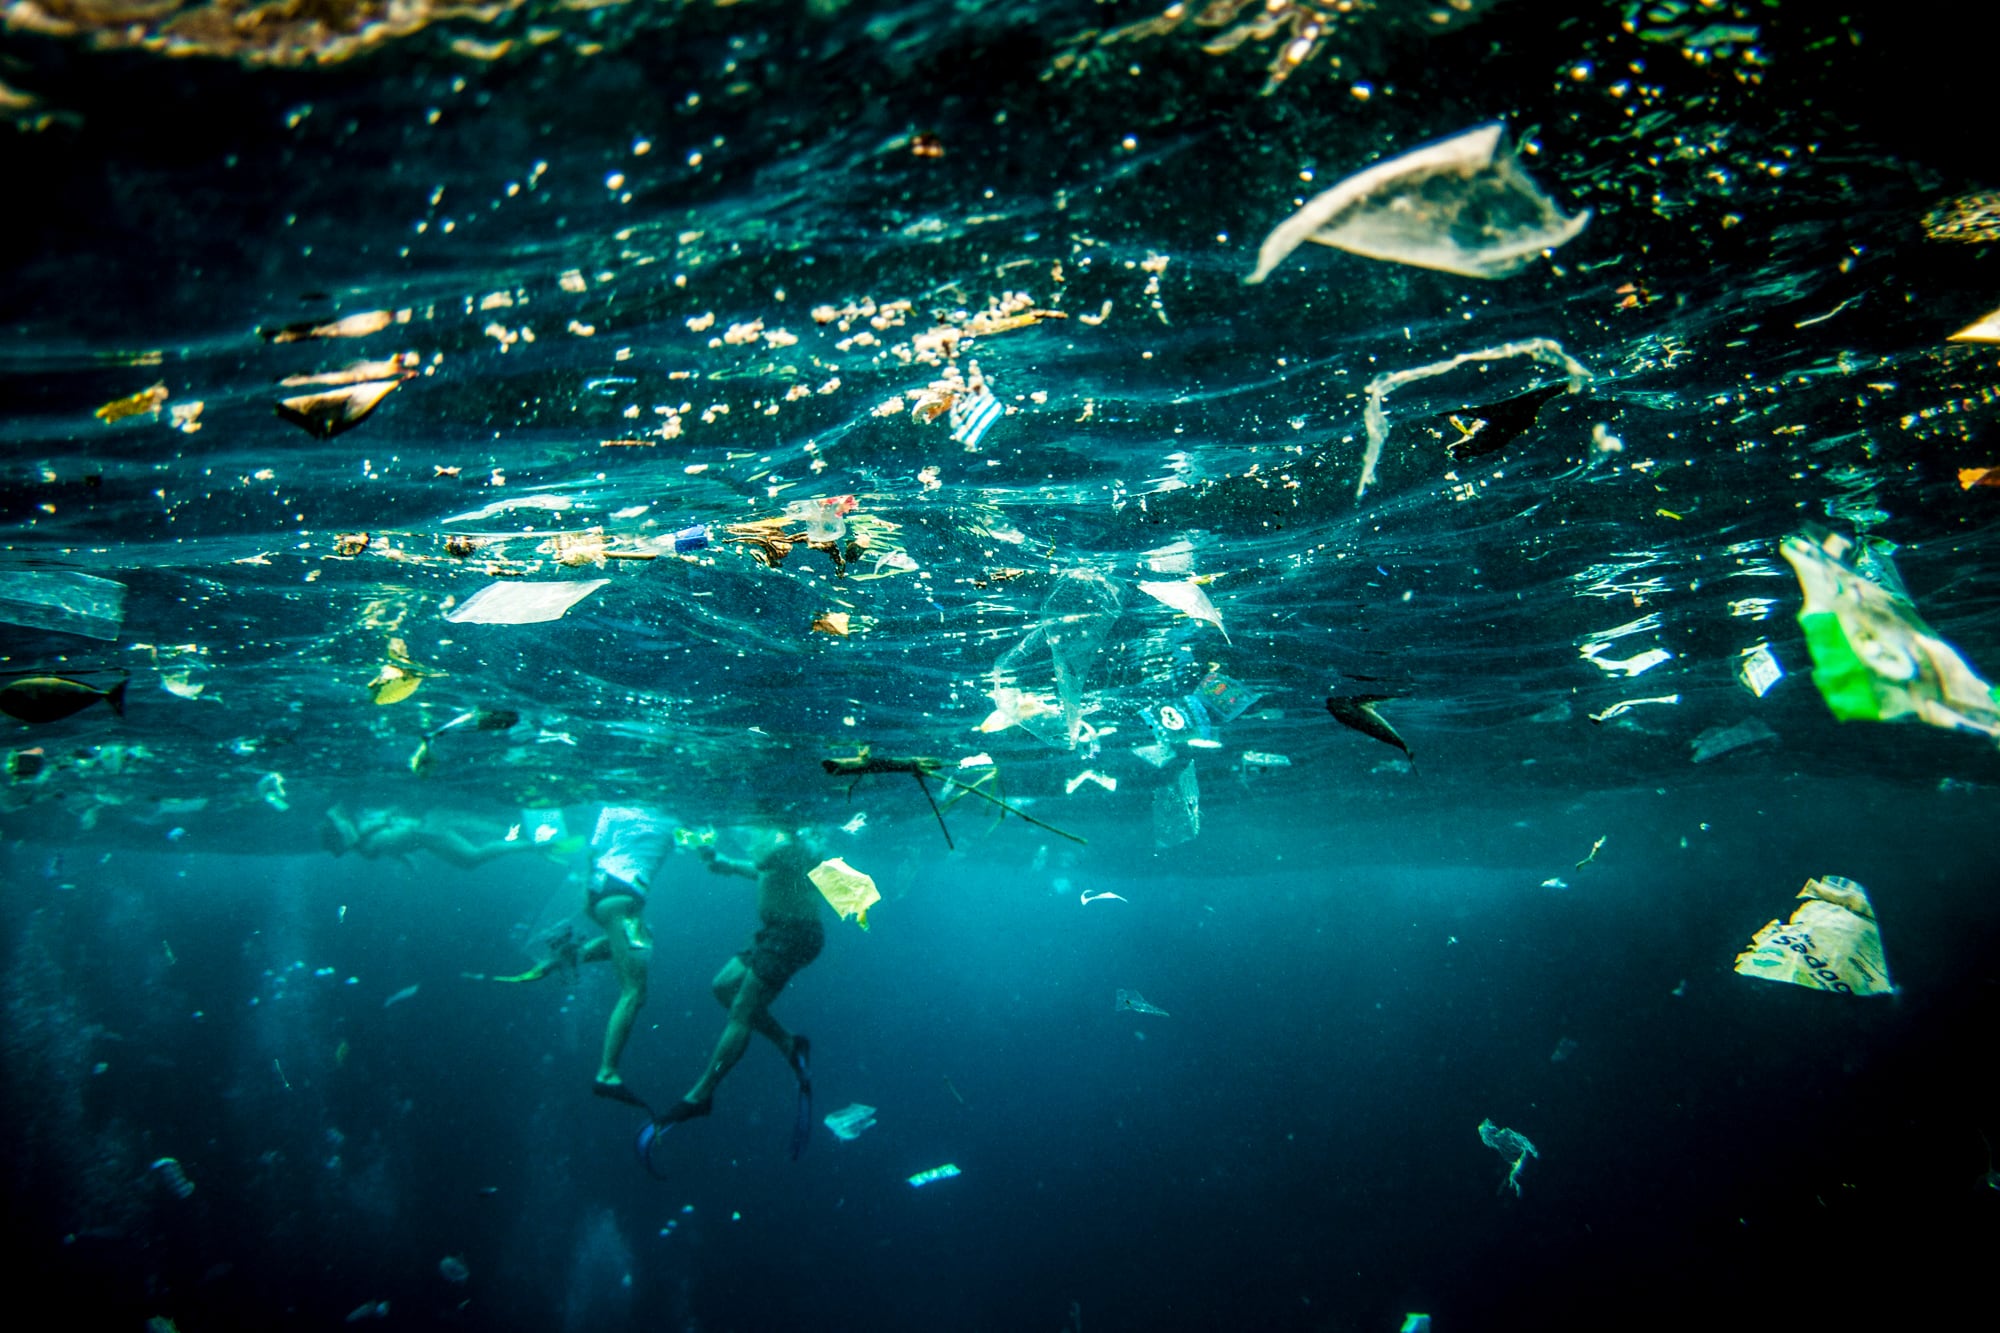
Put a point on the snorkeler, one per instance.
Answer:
(379, 833)
(788, 937)
(628, 846)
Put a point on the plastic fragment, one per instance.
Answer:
(973, 416)
(923, 1178)
(1513, 1147)
(1189, 599)
(1831, 943)
(1462, 205)
(1757, 667)
(146, 400)
(1130, 1001)
(1264, 759)
(515, 603)
(1177, 810)
(1630, 666)
(62, 600)
(851, 1122)
(1545, 350)
(1624, 706)
(1984, 330)
(1718, 741)
(847, 890)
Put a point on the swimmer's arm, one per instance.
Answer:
(724, 865)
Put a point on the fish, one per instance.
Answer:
(479, 719)
(1489, 429)
(1357, 711)
(401, 995)
(36, 699)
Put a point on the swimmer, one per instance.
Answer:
(789, 936)
(378, 833)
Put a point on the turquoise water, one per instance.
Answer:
(737, 273)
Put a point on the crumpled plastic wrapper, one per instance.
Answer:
(1831, 943)
(1874, 659)
(254, 32)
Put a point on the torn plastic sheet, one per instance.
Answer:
(1831, 943)
(1189, 599)
(1177, 809)
(1257, 761)
(1545, 350)
(1089, 775)
(1173, 558)
(1512, 1147)
(847, 891)
(1131, 1002)
(1984, 330)
(552, 503)
(1223, 699)
(851, 1122)
(1462, 205)
(1874, 658)
(1718, 741)
(1053, 659)
(1624, 706)
(1757, 667)
(62, 600)
(1630, 666)
(515, 603)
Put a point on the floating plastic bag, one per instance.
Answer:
(851, 1122)
(972, 417)
(1831, 943)
(846, 890)
(1515, 1148)
(1874, 659)
(62, 600)
(1462, 205)
(1076, 617)
(1757, 667)
(513, 603)
(1177, 810)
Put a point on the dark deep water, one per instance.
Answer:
(1360, 960)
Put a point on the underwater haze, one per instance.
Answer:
(1393, 595)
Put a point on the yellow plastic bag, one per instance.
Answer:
(1831, 943)
(846, 890)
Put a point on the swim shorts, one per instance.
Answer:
(782, 947)
(603, 885)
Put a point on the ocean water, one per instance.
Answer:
(648, 269)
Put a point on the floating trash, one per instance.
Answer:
(1757, 668)
(1718, 741)
(1874, 658)
(1177, 810)
(973, 416)
(62, 600)
(846, 890)
(1831, 943)
(1189, 599)
(851, 1122)
(923, 1178)
(1514, 1148)
(1262, 761)
(1624, 706)
(171, 1172)
(1462, 205)
(453, 1270)
(1130, 1001)
(513, 603)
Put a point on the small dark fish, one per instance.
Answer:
(1358, 712)
(328, 414)
(479, 719)
(1487, 430)
(51, 698)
